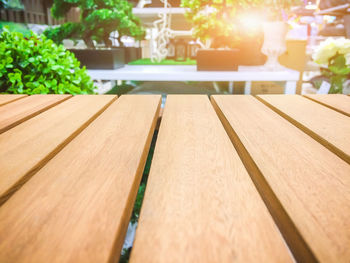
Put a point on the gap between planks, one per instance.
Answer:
(82, 199)
(319, 98)
(197, 185)
(323, 139)
(299, 248)
(310, 181)
(36, 167)
(8, 98)
(37, 105)
(119, 241)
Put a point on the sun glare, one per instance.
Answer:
(251, 21)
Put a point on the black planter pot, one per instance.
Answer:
(100, 58)
(217, 60)
(132, 53)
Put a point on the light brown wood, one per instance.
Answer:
(330, 128)
(311, 183)
(338, 102)
(77, 207)
(28, 146)
(200, 204)
(18, 111)
(7, 98)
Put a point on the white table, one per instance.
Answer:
(190, 73)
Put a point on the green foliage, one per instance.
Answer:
(121, 89)
(337, 65)
(147, 61)
(17, 27)
(142, 188)
(98, 19)
(217, 19)
(60, 8)
(67, 30)
(338, 72)
(125, 255)
(36, 65)
(11, 4)
(138, 203)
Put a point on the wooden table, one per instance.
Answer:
(233, 178)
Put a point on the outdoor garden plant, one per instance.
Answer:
(213, 21)
(334, 57)
(36, 65)
(219, 22)
(98, 18)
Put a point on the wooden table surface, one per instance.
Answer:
(234, 178)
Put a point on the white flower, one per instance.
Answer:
(343, 46)
(329, 48)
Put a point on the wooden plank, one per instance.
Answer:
(77, 207)
(305, 186)
(338, 102)
(330, 128)
(7, 98)
(28, 146)
(200, 204)
(21, 110)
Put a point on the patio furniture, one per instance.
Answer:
(190, 73)
(336, 102)
(233, 178)
(21, 110)
(4, 99)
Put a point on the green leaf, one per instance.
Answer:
(36, 65)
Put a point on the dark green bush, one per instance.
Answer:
(67, 30)
(98, 19)
(36, 65)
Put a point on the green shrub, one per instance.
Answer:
(98, 18)
(67, 30)
(215, 20)
(17, 27)
(36, 65)
(219, 20)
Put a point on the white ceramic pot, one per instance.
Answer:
(274, 43)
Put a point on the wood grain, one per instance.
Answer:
(337, 102)
(77, 207)
(7, 98)
(18, 111)
(312, 185)
(200, 204)
(28, 146)
(330, 128)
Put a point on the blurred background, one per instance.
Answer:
(174, 31)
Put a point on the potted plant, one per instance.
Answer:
(275, 29)
(36, 65)
(334, 57)
(218, 25)
(97, 20)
